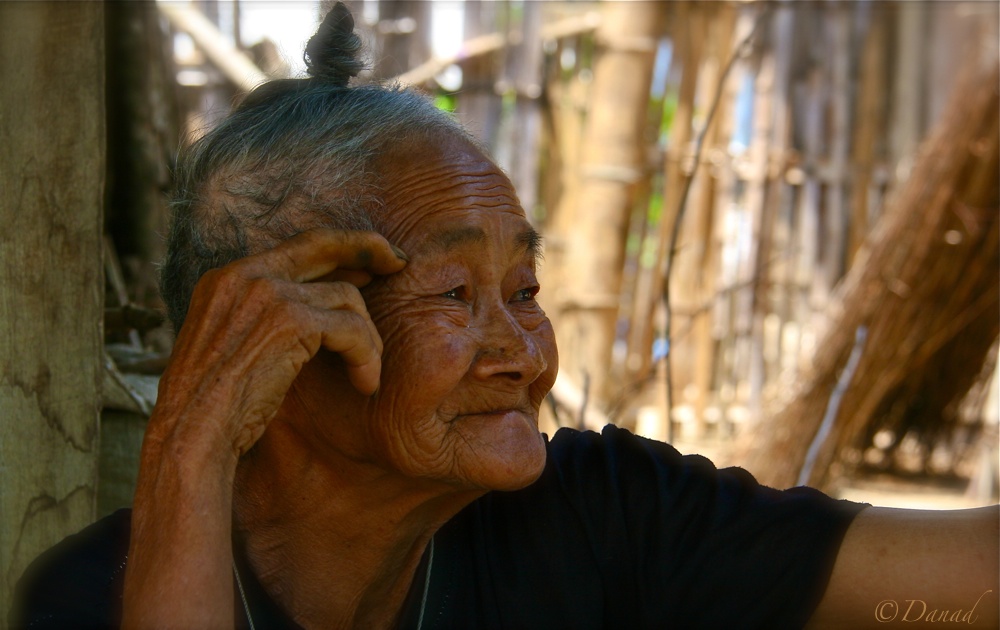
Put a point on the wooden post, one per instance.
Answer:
(613, 160)
(51, 287)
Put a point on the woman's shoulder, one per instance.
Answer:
(78, 582)
(617, 451)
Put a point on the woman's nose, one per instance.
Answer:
(508, 351)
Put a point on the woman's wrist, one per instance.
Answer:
(192, 440)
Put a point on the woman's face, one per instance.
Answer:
(469, 354)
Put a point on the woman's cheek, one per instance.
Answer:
(436, 348)
(530, 315)
(536, 323)
(421, 369)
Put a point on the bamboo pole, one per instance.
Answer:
(569, 97)
(235, 65)
(613, 157)
(689, 39)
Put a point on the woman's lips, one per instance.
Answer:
(498, 414)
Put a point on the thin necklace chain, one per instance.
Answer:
(243, 596)
(423, 600)
(427, 587)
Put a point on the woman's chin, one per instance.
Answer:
(502, 451)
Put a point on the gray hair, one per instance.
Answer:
(297, 154)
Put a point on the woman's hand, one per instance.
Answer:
(250, 328)
(254, 323)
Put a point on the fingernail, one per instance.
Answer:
(399, 253)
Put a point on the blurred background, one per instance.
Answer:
(770, 227)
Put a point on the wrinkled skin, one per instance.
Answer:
(336, 403)
(468, 353)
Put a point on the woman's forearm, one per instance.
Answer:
(179, 572)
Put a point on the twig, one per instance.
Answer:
(492, 42)
(834, 405)
(582, 417)
(567, 395)
(740, 51)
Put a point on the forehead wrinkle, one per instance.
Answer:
(478, 184)
(464, 188)
(461, 173)
(448, 193)
(471, 176)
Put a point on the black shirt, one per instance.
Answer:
(618, 532)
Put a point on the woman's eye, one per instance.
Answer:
(455, 294)
(525, 295)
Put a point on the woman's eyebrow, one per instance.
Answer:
(531, 241)
(457, 237)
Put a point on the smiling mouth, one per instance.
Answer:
(493, 413)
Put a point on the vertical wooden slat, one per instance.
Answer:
(51, 293)
(700, 268)
(612, 162)
(570, 97)
(814, 284)
(869, 117)
(766, 192)
(688, 38)
(908, 90)
(522, 131)
(837, 147)
(478, 105)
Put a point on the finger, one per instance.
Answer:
(351, 336)
(316, 253)
(357, 278)
(333, 296)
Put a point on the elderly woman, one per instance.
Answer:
(347, 436)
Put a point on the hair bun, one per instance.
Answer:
(332, 53)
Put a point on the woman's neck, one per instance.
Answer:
(335, 543)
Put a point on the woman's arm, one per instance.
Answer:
(904, 568)
(250, 327)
